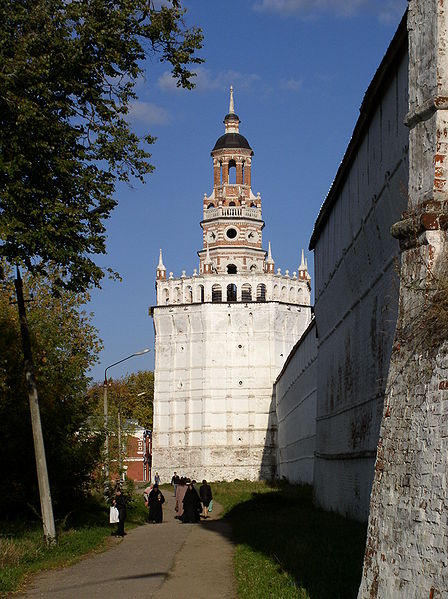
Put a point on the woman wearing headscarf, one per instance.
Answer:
(192, 506)
(155, 502)
(180, 494)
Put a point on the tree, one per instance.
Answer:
(65, 345)
(130, 399)
(67, 78)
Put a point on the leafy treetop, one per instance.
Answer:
(68, 70)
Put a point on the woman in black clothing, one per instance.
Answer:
(192, 506)
(120, 503)
(155, 501)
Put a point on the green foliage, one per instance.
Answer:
(288, 548)
(67, 79)
(65, 345)
(132, 395)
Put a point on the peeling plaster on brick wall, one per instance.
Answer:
(407, 545)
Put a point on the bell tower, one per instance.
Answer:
(223, 333)
(232, 224)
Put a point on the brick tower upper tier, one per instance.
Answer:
(232, 224)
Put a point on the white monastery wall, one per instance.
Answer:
(356, 291)
(214, 416)
(407, 543)
(296, 397)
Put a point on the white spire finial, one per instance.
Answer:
(303, 263)
(269, 258)
(160, 266)
(231, 106)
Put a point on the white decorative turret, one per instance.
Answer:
(208, 263)
(303, 269)
(269, 261)
(161, 270)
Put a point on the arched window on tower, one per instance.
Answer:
(300, 296)
(231, 269)
(201, 294)
(261, 292)
(246, 293)
(166, 296)
(216, 293)
(232, 204)
(232, 172)
(211, 205)
(275, 292)
(242, 172)
(189, 294)
(231, 292)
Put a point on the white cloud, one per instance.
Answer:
(292, 85)
(146, 113)
(385, 10)
(206, 81)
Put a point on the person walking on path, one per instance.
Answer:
(175, 482)
(180, 494)
(120, 503)
(205, 493)
(155, 502)
(192, 506)
(157, 479)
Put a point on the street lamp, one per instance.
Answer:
(106, 462)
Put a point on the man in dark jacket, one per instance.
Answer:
(205, 493)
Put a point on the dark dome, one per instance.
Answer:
(232, 140)
(232, 117)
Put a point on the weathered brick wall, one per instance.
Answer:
(407, 546)
(295, 394)
(357, 289)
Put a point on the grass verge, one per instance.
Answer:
(23, 551)
(286, 547)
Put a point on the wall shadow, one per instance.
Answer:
(322, 551)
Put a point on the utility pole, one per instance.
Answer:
(39, 448)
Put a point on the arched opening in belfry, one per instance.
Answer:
(216, 293)
(232, 204)
(231, 292)
(189, 295)
(246, 293)
(232, 172)
(261, 292)
(232, 269)
(211, 205)
(201, 293)
(242, 172)
(220, 173)
(253, 205)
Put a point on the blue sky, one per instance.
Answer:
(300, 69)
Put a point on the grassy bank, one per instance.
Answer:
(23, 551)
(286, 548)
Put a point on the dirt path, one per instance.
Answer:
(168, 561)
